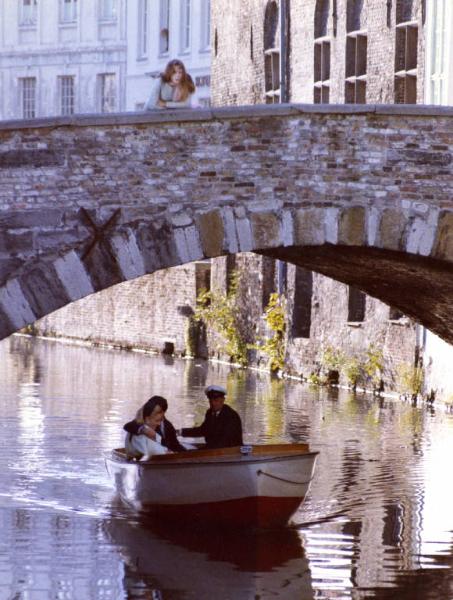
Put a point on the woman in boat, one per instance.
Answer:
(141, 446)
(172, 89)
(166, 430)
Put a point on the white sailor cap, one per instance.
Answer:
(215, 388)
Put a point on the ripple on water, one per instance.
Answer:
(377, 520)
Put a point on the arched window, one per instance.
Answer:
(406, 55)
(321, 53)
(271, 54)
(356, 53)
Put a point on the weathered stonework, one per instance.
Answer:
(259, 172)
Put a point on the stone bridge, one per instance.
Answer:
(363, 194)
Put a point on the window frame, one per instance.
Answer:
(104, 95)
(205, 26)
(356, 75)
(406, 42)
(110, 15)
(164, 27)
(439, 61)
(185, 33)
(62, 94)
(142, 29)
(322, 57)
(68, 19)
(25, 97)
(32, 20)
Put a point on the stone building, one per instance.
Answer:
(361, 52)
(88, 56)
(61, 58)
(325, 51)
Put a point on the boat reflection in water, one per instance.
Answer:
(170, 563)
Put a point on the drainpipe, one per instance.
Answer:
(283, 51)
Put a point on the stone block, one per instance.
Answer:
(72, 274)
(15, 305)
(212, 234)
(391, 229)
(266, 230)
(443, 244)
(309, 227)
(352, 226)
(33, 218)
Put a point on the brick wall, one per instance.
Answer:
(148, 313)
(245, 85)
(237, 79)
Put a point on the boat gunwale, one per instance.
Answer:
(247, 459)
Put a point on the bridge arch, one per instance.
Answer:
(361, 194)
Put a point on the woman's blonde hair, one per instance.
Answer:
(186, 84)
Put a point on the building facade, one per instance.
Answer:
(437, 354)
(318, 51)
(60, 58)
(161, 30)
(439, 53)
(333, 51)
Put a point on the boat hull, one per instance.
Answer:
(260, 489)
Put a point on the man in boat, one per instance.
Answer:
(166, 431)
(222, 427)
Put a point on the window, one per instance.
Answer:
(164, 26)
(303, 290)
(356, 65)
(107, 86)
(356, 305)
(205, 25)
(28, 97)
(356, 54)
(142, 50)
(440, 30)
(321, 54)
(107, 10)
(28, 12)
(354, 15)
(185, 25)
(68, 11)
(271, 54)
(66, 87)
(405, 54)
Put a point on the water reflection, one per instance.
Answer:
(377, 521)
(206, 564)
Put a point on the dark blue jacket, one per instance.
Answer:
(222, 431)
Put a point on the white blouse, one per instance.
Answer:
(136, 445)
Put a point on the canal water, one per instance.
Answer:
(378, 522)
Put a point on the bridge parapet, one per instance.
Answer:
(361, 193)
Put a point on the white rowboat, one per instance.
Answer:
(259, 486)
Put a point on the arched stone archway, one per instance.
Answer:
(361, 194)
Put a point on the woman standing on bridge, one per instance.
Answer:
(172, 89)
